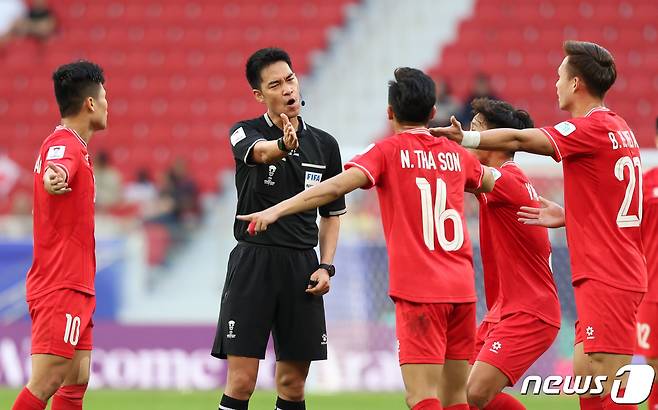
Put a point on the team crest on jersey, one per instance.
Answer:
(56, 152)
(312, 179)
(565, 128)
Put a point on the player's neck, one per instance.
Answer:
(402, 127)
(499, 161)
(82, 127)
(583, 107)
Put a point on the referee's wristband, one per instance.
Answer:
(282, 145)
(471, 139)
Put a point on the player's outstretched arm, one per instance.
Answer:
(269, 152)
(500, 139)
(550, 215)
(321, 194)
(55, 180)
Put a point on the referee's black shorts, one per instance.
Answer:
(265, 291)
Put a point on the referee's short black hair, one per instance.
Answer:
(411, 95)
(500, 114)
(74, 82)
(261, 59)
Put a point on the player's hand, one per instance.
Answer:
(550, 215)
(259, 221)
(320, 283)
(453, 132)
(289, 133)
(54, 180)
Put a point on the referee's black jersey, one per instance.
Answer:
(261, 186)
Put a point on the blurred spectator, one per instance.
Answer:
(37, 21)
(446, 105)
(142, 193)
(183, 191)
(108, 182)
(481, 88)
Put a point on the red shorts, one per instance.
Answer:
(62, 322)
(606, 317)
(647, 330)
(430, 333)
(514, 344)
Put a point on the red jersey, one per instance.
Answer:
(420, 183)
(516, 257)
(602, 198)
(650, 231)
(64, 244)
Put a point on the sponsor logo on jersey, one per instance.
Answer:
(231, 327)
(270, 175)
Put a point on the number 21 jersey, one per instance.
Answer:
(602, 198)
(420, 184)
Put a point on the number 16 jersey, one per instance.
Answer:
(602, 198)
(420, 184)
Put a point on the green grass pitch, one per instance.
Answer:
(263, 400)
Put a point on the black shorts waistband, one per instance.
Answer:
(243, 244)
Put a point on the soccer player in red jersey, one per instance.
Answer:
(420, 183)
(647, 316)
(60, 283)
(603, 203)
(524, 312)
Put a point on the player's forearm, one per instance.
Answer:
(267, 152)
(322, 194)
(329, 229)
(530, 140)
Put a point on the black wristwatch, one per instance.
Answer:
(331, 269)
(282, 145)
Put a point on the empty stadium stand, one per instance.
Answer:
(519, 45)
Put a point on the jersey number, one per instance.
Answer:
(437, 217)
(72, 332)
(624, 220)
(643, 332)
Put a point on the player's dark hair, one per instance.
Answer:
(74, 82)
(500, 114)
(412, 95)
(261, 59)
(593, 64)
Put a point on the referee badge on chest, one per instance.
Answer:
(270, 174)
(312, 179)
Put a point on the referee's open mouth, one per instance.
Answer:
(291, 101)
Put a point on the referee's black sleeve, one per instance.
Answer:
(334, 167)
(243, 139)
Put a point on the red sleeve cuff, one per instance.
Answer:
(557, 155)
(365, 170)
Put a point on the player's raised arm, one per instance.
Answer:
(530, 140)
(550, 215)
(55, 180)
(321, 194)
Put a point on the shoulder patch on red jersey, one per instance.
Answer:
(496, 174)
(56, 152)
(565, 128)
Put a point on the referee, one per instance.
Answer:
(274, 280)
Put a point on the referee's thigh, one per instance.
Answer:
(248, 303)
(299, 331)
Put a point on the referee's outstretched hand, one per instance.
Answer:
(259, 221)
(319, 283)
(289, 133)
